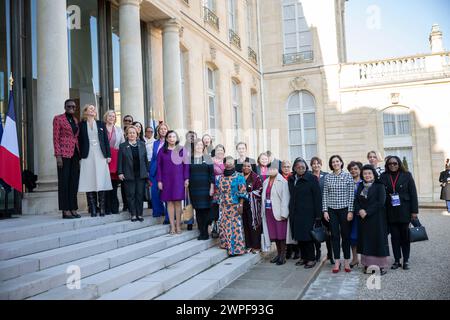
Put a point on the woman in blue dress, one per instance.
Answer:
(159, 208)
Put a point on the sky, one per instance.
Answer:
(377, 29)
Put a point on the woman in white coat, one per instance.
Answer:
(275, 199)
(115, 138)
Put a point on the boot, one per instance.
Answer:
(102, 203)
(289, 250)
(92, 204)
(282, 259)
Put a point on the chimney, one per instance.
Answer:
(436, 39)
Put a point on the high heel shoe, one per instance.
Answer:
(347, 269)
(352, 265)
(274, 259)
(336, 270)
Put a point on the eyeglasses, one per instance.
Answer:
(127, 120)
(393, 164)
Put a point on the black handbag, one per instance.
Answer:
(319, 233)
(417, 232)
(215, 230)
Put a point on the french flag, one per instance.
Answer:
(10, 170)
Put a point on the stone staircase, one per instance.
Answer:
(116, 259)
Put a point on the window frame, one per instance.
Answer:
(396, 123)
(301, 112)
(211, 93)
(298, 47)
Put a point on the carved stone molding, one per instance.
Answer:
(298, 83)
(237, 68)
(395, 98)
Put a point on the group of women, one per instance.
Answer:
(254, 203)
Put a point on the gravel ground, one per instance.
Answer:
(429, 273)
(427, 279)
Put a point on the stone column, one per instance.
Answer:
(52, 84)
(172, 75)
(131, 81)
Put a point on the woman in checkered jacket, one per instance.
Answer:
(337, 207)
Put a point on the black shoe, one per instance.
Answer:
(274, 259)
(296, 255)
(280, 261)
(310, 265)
(141, 219)
(396, 265)
(318, 255)
(67, 216)
(189, 227)
(405, 266)
(133, 219)
(354, 265)
(382, 271)
(300, 263)
(75, 214)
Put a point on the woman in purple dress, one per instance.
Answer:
(173, 178)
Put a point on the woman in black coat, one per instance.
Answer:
(201, 186)
(372, 228)
(305, 208)
(444, 179)
(132, 169)
(402, 207)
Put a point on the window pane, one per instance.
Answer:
(310, 136)
(210, 79)
(294, 121)
(311, 151)
(389, 124)
(295, 137)
(307, 100)
(302, 25)
(295, 151)
(290, 40)
(294, 102)
(289, 26)
(309, 120)
(403, 124)
(289, 12)
(305, 38)
(290, 50)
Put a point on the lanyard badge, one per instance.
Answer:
(268, 204)
(395, 197)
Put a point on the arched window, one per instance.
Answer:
(302, 125)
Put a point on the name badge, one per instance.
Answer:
(268, 204)
(395, 200)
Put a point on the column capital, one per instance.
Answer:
(136, 3)
(171, 25)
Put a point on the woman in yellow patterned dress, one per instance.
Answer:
(232, 192)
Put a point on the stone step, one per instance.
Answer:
(31, 227)
(29, 246)
(38, 282)
(54, 257)
(24, 264)
(102, 283)
(159, 282)
(208, 283)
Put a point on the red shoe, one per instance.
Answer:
(336, 270)
(347, 269)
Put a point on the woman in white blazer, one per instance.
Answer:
(275, 201)
(115, 138)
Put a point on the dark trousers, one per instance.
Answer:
(68, 177)
(112, 201)
(307, 250)
(135, 196)
(400, 240)
(124, 195)
(340, 229)
(202, 221)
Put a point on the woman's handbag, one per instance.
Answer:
(319, 233)
(188, 210)
(215, 230)
(417, 232)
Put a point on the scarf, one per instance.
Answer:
(228, 173)
(366, 188)
(255, 199)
